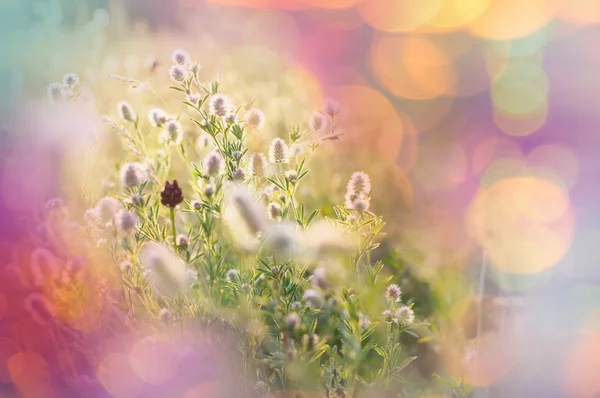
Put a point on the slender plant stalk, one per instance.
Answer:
(172, 214)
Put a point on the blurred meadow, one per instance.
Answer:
(472, 125)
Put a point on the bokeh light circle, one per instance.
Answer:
(524, 224)
(398, 16)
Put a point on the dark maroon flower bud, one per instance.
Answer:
(172, 195)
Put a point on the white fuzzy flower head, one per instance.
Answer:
(279, 151)
(157, 117)
(313, 299)
(363, 321)
(71, 79)
(282, 238)
(291, 176)
(360, 204)
(196, 205)
(332, 108)
(126, 221)
(393, 293)
(106, 209)
(173, 132)
(255, 119)
(239, 174)
(258, 164)
(219, 105)
(231, 118)
(164, 269)
(180, 57)
(204, 142)
(213, 164)
(317, 121)
(404, 315)
(194, 98)
(245, 216)
(291, 321)
(57, 92)
(231, 275)
(178, 73)
(274, 211)
(359, 184)
(126, 112)
(183, 241)
(132, 175)
(387, 315)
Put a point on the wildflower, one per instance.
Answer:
(274, 211)
(332, 108)
(106, 209)
(219, 105)
(297, 149)
(291, 321)
(363, 321)
(70, 79)
(57, 92)
(278, 151)
(213, 164)
(246, 288)
(126, 112)
(257, 164)
(388, 316)
(296, 305)
(164, 269)
(404, 315)
(393, 293)
(231, 118)
(360, 204)
(126, 221)
(178, 73)
(132, 175)
(196, 205)
(209, 190)
(255, 119)
(237, 155)
(171, 195)
(313, 299)
(173, 132)
(231, 275)
(291, 176)
(183, 241)
(157, 117)
(317, 121)
(319, 278)
(359, 184)
(39, 309)
(194, 98)
(180, 57)
(137, 200)
(204, 141)
(239, 174)
(282, 238)
(243, 210)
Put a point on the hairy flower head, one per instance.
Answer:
(106, 209)
(178, 73)
(278, 151)
(255, 119)
(70, 79)
(180, 57)
(164, 269)
(393, 293)
(126, 112)
(317, 121)
(132, 175)
(219, 105)
(157, 117)
(126, 221)
(213, 164)
(258, 164)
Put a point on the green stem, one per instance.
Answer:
(172, 214)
